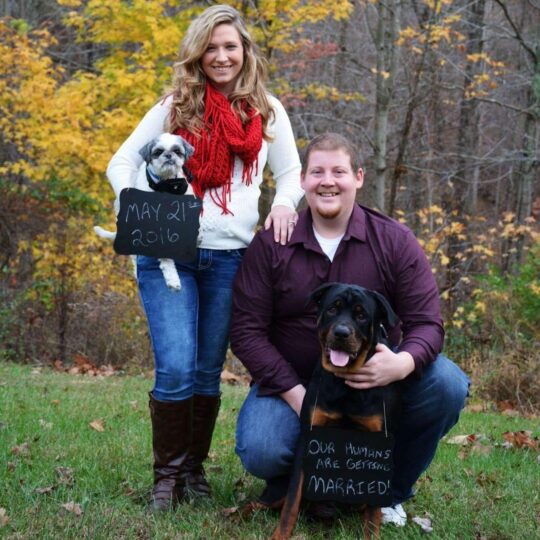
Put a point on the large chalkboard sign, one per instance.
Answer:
(157, 224)
(348, 466)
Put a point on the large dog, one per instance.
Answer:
(164, 171)
(350, 323)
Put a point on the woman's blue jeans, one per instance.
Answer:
(189, 328)
(268, 429)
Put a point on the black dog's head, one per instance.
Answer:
(349, 322)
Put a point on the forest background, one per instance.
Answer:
(442, 96)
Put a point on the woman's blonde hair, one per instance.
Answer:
(189, 79)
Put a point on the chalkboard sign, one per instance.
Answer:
(348, 466)
(157, 224)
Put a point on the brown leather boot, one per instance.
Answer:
(205, 411)
(171, 439)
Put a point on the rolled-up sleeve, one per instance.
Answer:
(251, 322)
(417, 304)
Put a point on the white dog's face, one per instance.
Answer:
(165, 156)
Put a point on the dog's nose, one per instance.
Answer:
(342, 331)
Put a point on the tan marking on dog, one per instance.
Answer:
(320, 417)
(371, 423)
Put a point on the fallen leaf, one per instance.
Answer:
(4, 518)
(58, 365)
(97, 425)
(511, 413)
(45, 490)
(505, 405)
(21, 450)
(45, 424)
(425, 524)
(226, 512)
(107, 371)
(64, 474)
(464, 440)
(55, 402)
(477, 407)
(134, 404)
(229, 377)
(83, 363)
(72, 507)
(484, 479)
(520, 439)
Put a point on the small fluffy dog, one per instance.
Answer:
(164, 171)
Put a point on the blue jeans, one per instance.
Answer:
(268, 429)
(189, 328)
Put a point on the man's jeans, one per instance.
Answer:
(268, 429)
(189, 328)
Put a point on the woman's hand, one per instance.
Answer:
(283, 219)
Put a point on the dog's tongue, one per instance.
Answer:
(338, 358)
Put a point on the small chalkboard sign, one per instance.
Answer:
(348, 466)
(157, 224)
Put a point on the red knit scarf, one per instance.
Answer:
(222, 138)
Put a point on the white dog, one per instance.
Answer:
(164, 171)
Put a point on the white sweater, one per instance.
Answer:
(222, 231)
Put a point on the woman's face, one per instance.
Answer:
(224, 57)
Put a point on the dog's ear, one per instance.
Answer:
(146, 150)
(389, 315)
(188, 149)
(318, 294)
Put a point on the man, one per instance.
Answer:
(274, 334)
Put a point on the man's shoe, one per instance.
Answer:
(395, 515)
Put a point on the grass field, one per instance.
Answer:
(75, 462)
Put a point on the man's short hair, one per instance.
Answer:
(330, 141)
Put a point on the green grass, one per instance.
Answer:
(493, 495)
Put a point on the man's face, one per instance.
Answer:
(330, 184)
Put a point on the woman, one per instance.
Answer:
(220, 105)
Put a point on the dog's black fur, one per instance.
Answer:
(351, 320)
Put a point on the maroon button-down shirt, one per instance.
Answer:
(273, 331)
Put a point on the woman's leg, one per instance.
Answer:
(215, 275)
(173, 323)
(172, 320)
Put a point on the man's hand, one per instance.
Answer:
(383, 368)
(295, 397)
(283, 219)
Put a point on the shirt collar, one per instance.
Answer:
(303, 232)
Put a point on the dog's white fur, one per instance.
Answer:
(164, 157)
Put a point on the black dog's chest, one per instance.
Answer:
(334, 396)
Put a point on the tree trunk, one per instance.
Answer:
(387, 33)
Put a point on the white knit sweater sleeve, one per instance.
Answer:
(283, 159)
(124, 165)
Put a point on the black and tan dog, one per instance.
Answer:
(350, 323)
